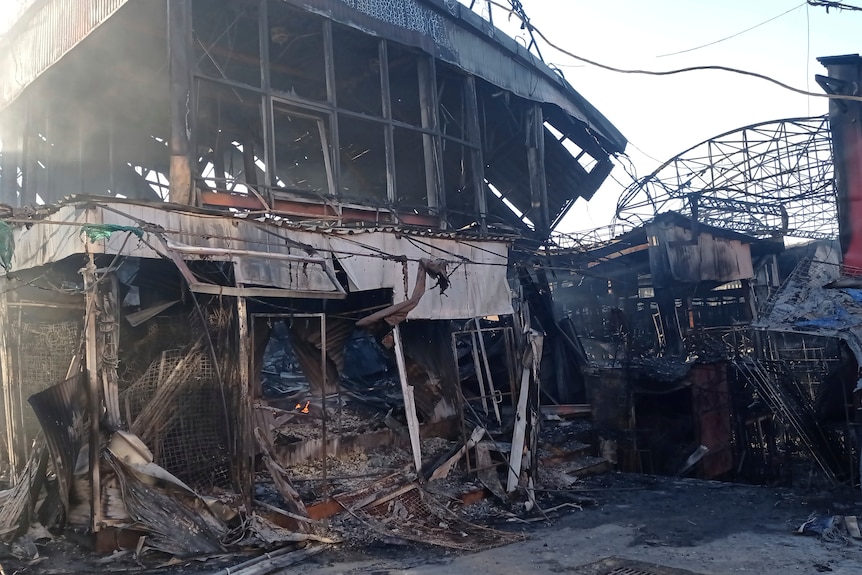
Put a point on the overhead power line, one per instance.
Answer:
(686, 70)
(733, 35)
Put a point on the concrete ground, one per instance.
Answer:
(706, 527)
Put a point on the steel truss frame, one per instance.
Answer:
(770, 179)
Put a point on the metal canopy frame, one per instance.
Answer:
(768, 180)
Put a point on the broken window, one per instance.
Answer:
(458, 182)
(410, 182)
(363, 158)
(302, 160)
(404, 84)
(229, 137)
(226, 37)
(450, 94)
(296, 52)
(357, 71)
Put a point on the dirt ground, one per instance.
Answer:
(706, 527)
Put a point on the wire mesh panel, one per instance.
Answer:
(178, 408)
(142, 345)
(43, 355)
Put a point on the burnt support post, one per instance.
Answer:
(409, 401)
(8, 383)
(245, 471)
(478, 164)
(179, 50)
(108, 301)
(536, 162)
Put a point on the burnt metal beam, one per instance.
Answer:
(180, 56)
(535, 129)
(764, 179)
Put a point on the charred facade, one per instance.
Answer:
(242, 236)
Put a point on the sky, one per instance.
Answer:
(663, 116)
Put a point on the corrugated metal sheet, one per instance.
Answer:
(678, 254)
(478, 284)
(305, 340)
(61, 410)
(42, 36)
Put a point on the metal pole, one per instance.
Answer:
(409, 402)
(92, 363)
(323, 395)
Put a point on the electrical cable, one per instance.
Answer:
(688, 69)
(734, 35)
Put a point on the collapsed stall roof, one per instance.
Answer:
(639, 240)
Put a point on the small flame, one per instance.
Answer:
(305, 409)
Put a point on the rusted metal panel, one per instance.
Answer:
(711, 405)
(42, 35)
(844, 75)
(680, 254)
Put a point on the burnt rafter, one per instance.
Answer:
(768, 179)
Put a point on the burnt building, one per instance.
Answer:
(663, 313)
(182, 179)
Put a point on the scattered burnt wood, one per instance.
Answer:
(280, 477)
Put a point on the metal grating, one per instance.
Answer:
(43, 355)
(629, 571)
(416, 516)
(618, 566)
